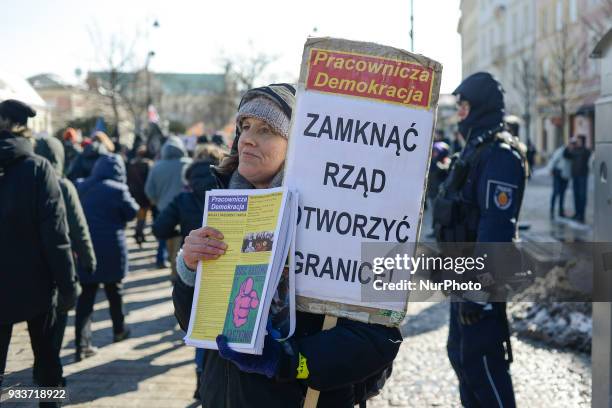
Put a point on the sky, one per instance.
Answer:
(42, 36)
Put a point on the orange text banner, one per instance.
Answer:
(365, 76)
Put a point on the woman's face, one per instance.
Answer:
(261, 152)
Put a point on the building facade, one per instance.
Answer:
(15, 87)
(539, 52)
(67, 102)
(178, 97)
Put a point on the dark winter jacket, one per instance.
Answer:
(165, 180)
(339, 360)
(187, 208)
(78, 231)
(579, 157)
(71, 152)
(35, 251)
(155, 140)
(137, 172)
(83, 164)
(108, 207)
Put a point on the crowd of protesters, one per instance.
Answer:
(64, 225)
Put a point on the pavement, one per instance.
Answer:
(154, 369)
(150, 369)
(535, 211)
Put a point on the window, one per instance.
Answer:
(526, 20)
(559, 20)
(543, 21)
(573, 12)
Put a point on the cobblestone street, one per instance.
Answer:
(150, 369)
(154, 369)
(423, 377)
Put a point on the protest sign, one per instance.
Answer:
(359, 153)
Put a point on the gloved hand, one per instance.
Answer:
(67, 300)
(266, 364)
(470, 312)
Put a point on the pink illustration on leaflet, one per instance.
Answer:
(245, 300)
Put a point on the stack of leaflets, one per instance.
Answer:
(250, 290)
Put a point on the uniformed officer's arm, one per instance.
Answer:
(498, 194)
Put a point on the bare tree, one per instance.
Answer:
(241, 73)
(122, 81)
(525, 84)
(117, 56)
(223, 104)
(247, 70)
(559, 83)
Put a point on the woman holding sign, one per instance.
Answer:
(341, 362)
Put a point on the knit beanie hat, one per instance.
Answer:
(273, 104)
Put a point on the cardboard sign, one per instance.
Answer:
(358, 154)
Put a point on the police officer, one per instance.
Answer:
(479, 203)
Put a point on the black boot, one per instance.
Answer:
(196, 394)
(85, 352)
(121, 336)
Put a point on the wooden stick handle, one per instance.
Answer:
(312, 396)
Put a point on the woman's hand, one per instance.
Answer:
(202, 243)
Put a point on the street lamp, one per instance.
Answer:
(411, 25)
(150, 55)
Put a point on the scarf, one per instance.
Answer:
(237, 181)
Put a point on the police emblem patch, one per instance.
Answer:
(502, 196)
(500, 193)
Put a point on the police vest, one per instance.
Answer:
(453, 217)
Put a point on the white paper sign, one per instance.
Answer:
(358, 155)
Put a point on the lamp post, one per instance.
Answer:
(150, 55)
(411, 25)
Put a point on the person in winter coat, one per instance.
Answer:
(108, 207)
(83, 164)
(561, 170)
(579, 156)
(34, 244)
(165, 181)
(137, 173)
(438, 171)
(186, 211)
(155, 140)
(78, 231)
(72, 148)
(335, 361)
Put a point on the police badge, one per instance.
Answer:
(501, 194)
